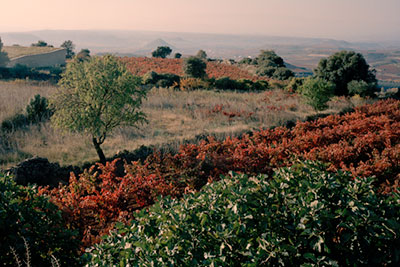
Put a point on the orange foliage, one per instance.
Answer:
(141, 65)
(365, 142)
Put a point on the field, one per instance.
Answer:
(17, 51)
(141, 65)
(174, 116)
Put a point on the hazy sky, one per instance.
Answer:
(340, 19)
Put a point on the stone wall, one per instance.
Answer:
(49, 59)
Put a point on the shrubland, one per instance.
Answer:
(365, 143)
(174, 116)
(25, 215)
(319, 192)
(303, 215)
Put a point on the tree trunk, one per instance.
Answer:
(99, 151)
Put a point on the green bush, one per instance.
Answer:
(303, 216)
(265, 70)
(361, 88)
(38, 109)
(295, 84)
(161, 80)
(194, 67)
(225, 83)
(167, 80)
(282, 74)
(23, 214)
(260, 85)
(317, 92)
(150, 77)
(14, 122)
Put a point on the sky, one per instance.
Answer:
(352, 20)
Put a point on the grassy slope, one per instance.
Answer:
(173, 117)
(17, 51)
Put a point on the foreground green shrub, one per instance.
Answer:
(24, 215)
(303, 216)
(317, 92)
(38, 109)
(14, 122)
(361, 88)
(161, 80)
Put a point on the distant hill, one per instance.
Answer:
(300, 52)
(151, 46)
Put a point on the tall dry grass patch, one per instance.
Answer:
(15, 95)
(174, 117)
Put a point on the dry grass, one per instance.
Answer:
(174, 116)
(17, 51)
(15, 95)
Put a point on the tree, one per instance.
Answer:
(271, 65)
(3, 56)
(162, 52)
(282, 73)
(201, 54)
(317, 92)
(69, 46)
(361, 88)
(96, 96)
(268, 58)
(344, 67)
(83, 55)
(40, 43)
(177, 55)
(194, 67)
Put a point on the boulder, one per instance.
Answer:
(38, 171)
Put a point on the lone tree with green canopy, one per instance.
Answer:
(162, 52)
(343, 67)
(96, 96)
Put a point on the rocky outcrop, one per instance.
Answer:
(40, 171)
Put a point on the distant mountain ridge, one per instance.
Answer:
(302, 54)
(133, 41)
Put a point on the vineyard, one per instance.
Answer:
(141, 65)
(365, 143)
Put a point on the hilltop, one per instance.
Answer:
(18, 51)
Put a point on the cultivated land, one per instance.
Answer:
(174, 116)
(18, 51)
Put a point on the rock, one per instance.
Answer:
(38, 171)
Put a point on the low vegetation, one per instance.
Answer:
(249, 185)
(26, 216)
(365, 143)
(303, 215)
(174, 116)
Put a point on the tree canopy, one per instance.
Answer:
(3, 56)
(269, 58)
(84, 54)
(40, 43)
(317, 92)
(162, 52)
(201, 54)
(96, 96)
(271, 65)
(69, 46)
(194, 67)
(343, 67)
